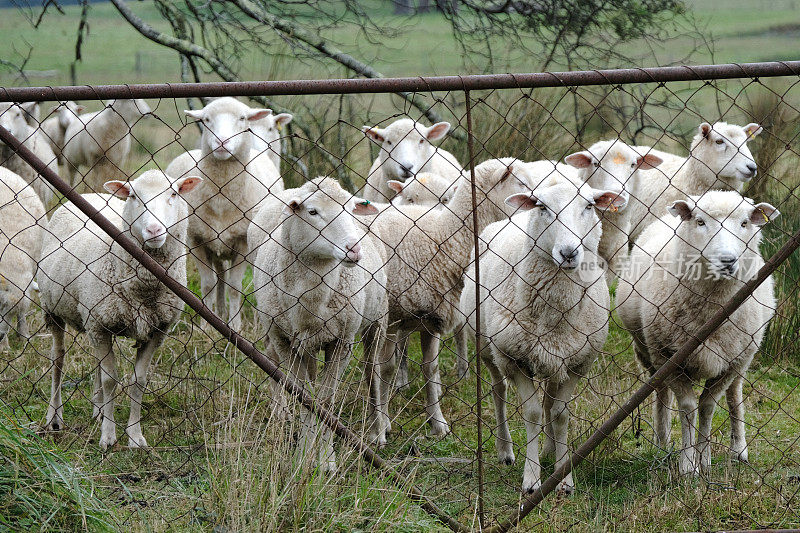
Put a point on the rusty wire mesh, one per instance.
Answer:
(308, 277)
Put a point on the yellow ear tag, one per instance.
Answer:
(278, 126)
(613, 208)
(763, 214)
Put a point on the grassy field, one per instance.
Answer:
(222, 462)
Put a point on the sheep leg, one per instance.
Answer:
(55, 411)
(503, 442)
(549, 446)
(687, 406)
(462, 352)
(235, 291)
(402, 379)
(108, 379)
(208, 277)
(97, 394)
(711, 394)
(372, 339)
(433, 382)
(22, 319)
(532, 415)
(662, 416)
(281, 404)
(736, 409)
(386, 367)
(337, 356)
(144, 356)
(220, 304)
(559, 420)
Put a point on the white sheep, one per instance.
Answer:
(55, 126)
(683, 268)
(267, 136)
(544, 310)
(613, 166)
(405, 150)
(87, 281)
(425, 188)
(719, 159)
(32, 113)
(428, 252)
(220, 212)
(101, 141)
(20, 249)
(319, 281)
(12, 118)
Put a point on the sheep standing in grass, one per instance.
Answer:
(719, 159)
(221, 211)
(89, 282)
(12, 118)
(101, 141)
(428, 252)
(683, 269)
(613, 166)
(267, 136)
(319, 281)
(405, 150)
(20, 249)
(544, 310)
(55, 127)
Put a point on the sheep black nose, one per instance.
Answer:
(407, 172)
(752, 168)
(727, 260)
(568, 253)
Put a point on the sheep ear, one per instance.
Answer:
(257, 114)
(509, 170)
(376, 134)
(395, 185)
(120, 189)
(364, 207)
(283, 119)
(579, 159)
(523, 201)
(189, 183)
(610, 199)
(705, 128)
(196, 114)
(753, 129)
(80, 109)
(681, 209)
(293, 205)
(646, 162)
(437, 131)
(32, 108)
(763, 213)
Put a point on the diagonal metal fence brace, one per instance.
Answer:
(672, 364)
(243, 345)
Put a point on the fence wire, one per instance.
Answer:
(462, 314)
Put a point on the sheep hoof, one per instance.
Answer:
(531, 487)
(566, 489)
(741, 456)
(137, 441)
(56, 424)
(507, 459)
(107, 441)
(439, 428)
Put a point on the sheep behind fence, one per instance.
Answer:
(303, 286)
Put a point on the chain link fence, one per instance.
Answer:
(634, 233)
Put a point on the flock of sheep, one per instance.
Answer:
(330, 267)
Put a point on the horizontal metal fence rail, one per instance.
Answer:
(419, 84)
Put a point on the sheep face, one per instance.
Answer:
(153, 205)
(267, 131)
(320, 225)
(405, 146)
(563, 221)
(67, 112)
(130, 110)
(723, 149)
(12, 118)
(718, 228)
(225, 123)
(608, 165)
(423, 189)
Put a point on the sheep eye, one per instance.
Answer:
(701, 222)
(719, 141)
(744, 223)
(589, 207)
(388, 143)
(633, 165)
(312, 212)
(543, 209)
(421, 141)
(597, 164)
(410, 200)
